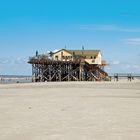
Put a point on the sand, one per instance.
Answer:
(70, 111)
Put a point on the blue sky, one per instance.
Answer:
(113, 26)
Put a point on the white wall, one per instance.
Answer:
(98, 60)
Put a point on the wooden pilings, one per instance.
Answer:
(118, 76)
(66, 71)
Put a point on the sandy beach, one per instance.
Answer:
(70, 111)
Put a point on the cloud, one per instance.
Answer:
(5, 61)
(117, 66)
(14, 65)
(116, 62)
(109, 27)
(132, 41)
(136, 66)
(20, 60)
(11, 60)
(55, 50)
(127, 66)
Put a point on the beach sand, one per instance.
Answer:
(70, 111)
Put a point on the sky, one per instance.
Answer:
(112, 26)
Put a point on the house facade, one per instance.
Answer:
(89, 56)
(62, 55)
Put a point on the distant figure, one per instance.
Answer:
(36, 53)
(116, 77)
(1, 79)
(110, 78)
(129, 77)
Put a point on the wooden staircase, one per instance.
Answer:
(96, 72)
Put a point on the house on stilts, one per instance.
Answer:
(69, 65)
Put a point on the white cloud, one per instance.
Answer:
(127, 66)
(55, 50)
(13, 65)
(11, 60)
(132, 41)
(136, 66)
(116, 62)
(19, 60)
(123, 67)
(109, 27)
(5, 61)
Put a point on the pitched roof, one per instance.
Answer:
(85, 52)
(81, 52)
(60, 51)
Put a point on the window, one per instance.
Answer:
(56, 57)
(61, 54)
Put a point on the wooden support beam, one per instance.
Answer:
(66, 71)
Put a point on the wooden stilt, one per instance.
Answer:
(66, 71)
